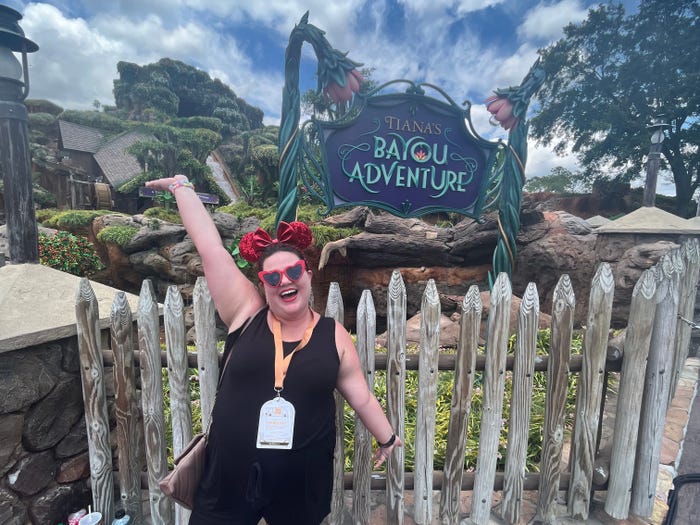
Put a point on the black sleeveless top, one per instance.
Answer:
(248, 382)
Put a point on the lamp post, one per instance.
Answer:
(657, 137)
(15, 163)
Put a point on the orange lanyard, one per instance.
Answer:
(281, 362)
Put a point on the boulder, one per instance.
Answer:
(567, 247)
(50, 420)
(10, 440)
(32, 473)
(27, 376)
(58, 501)
(449, 321)
(74, 442)
(74, 469)
(627, 271)
(148, 237)
(12, 510)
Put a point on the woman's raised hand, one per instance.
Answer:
(164, 183)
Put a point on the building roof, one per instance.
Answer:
(79, 138)
(117, 165)
(649, 219)
(38, 305)
(597, 221)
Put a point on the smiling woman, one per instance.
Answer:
(270, 446)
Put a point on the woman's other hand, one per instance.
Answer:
(382, 454)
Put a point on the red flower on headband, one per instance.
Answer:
(295, 234)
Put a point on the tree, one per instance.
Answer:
(169, 89)
(610, 75)
(253, 158)
(559, 180)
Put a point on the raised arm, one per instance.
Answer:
(353, 387)
(234, 295)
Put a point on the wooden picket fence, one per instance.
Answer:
(655, 350)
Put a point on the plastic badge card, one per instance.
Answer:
(276, 424)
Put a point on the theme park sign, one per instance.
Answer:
(409, 154)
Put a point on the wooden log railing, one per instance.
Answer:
(655, 349)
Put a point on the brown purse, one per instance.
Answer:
(181, 483)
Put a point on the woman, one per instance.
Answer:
(270, 446)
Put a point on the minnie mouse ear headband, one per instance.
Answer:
(295, 234)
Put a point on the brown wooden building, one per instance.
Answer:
(90, 165)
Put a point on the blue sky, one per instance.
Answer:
(467, 47)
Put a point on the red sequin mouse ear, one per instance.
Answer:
(253, 243)
(295, 233)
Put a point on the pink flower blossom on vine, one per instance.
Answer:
(340, 94)
(501, 110)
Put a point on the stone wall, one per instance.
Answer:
(44, 463)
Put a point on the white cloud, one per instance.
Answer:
(460, 7)
(75, 63)
(541, 160)
(546, 21)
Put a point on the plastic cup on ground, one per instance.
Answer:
(94, 518)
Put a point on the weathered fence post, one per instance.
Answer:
(492, 411)
(152, 403)
(636, 349)
(427, 398)
(362, 467)
(657, 385)
(395, 393)
(690, 254)
(470, 322)
(178, 379)
(521, 402)
(563, 303)
(205, 340)
(336, 310)
(127, 412)
(94, 399)
(590, 391)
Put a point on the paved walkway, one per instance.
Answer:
(689, 496)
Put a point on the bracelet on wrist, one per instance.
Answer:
(180, 183)
(390, 442)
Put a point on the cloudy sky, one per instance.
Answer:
(467, 47)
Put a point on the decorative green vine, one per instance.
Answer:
(337, 77)
(513, 171)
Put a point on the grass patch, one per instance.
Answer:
(119, 235)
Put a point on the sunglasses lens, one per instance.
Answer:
(272, 278)
(295, 271)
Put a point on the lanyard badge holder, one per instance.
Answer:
(276, 422)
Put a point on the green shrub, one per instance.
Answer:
(194, 403)
(95, 119)
(119, 235)
(46, 214)
(243, 210)
(69, 253)
(442, 417)
(324, 234)
(74, 219)
(43, 197)
(163, 215)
